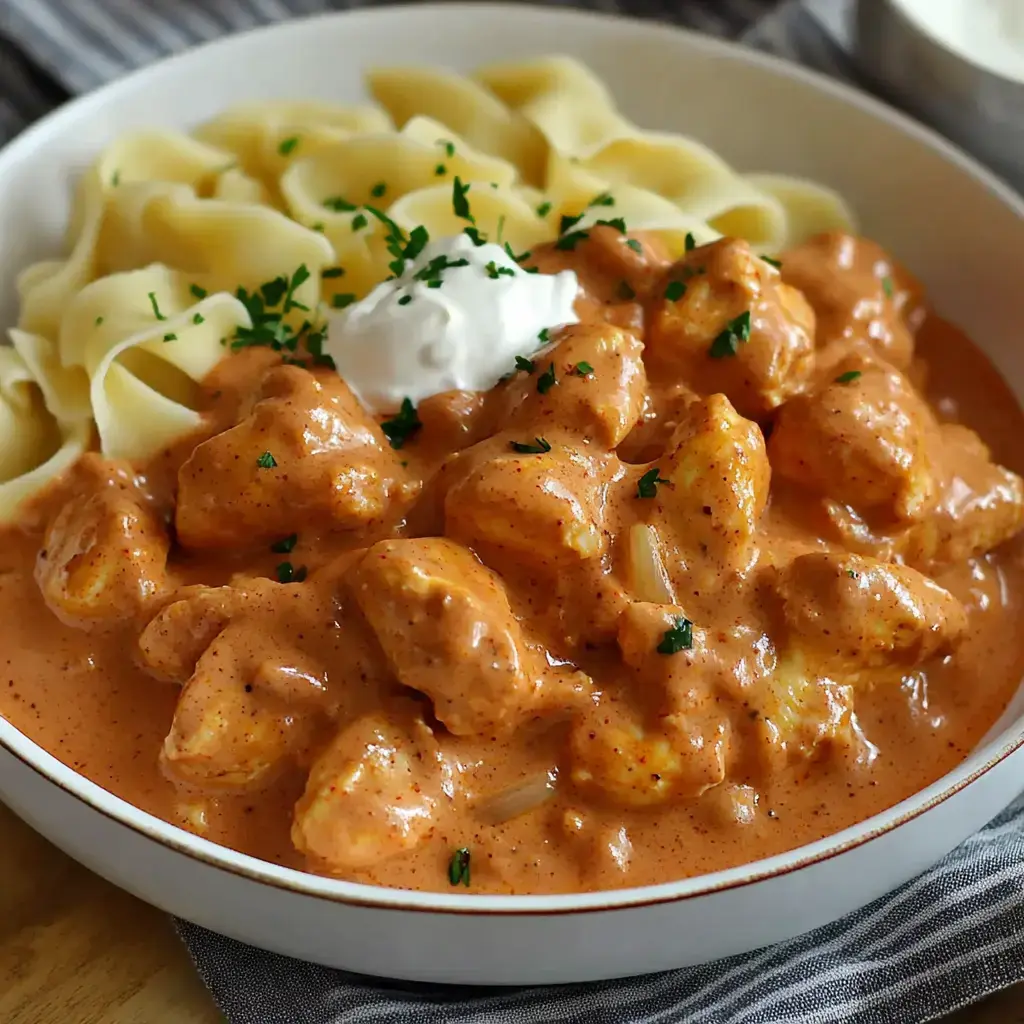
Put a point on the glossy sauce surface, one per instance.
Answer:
(508, 671)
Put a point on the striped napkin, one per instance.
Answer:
(940, 942)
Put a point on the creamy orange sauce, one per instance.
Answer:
(418, 684)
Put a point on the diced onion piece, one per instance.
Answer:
(520, 799)
(650, 579)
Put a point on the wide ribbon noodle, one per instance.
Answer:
(177, 241)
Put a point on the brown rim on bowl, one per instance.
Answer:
(305, 884)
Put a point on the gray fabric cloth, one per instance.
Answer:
(942, 941)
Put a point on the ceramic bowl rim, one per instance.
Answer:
(300, 883)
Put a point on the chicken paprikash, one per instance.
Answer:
(723, 568)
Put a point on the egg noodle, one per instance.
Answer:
(183, 247)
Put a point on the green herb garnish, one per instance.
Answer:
(329, 272)
(287, 573)
(359, 222)
(543, 210)
(583, 369)
(604, 199)
(546, 381)
(690, 243)
(538, 447)
(98, 321)
(402, 426)
(728, 342)
(524, 364)
(266, 461)
(777, 264)
(405, 300)
(569, 242)
(286, 146)
(846, 378)
(678, 638)
(647, 485)
(494, 271)
(285, 544)
(460, 204)
(543, 335)
(170, 337)
(199, 293)
(568, 221)
(887, 287)
(156, 308)
(343, 300)
(198, 318)
(674, 291)
(440, 170)
(449, 147)
(339, 205)
(458, 867)
(378, 190)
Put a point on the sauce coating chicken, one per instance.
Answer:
(708, 575)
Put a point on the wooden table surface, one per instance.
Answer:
(75, 950)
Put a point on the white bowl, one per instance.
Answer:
(955, 225)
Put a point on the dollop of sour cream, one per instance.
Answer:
(455, 318)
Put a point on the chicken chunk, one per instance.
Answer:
(372, 794)
(863, 440)
(445, 625)
(859, 618)
(227, 732)
(175, 638)
(307, 453)
(544, 508)
(594, 386)
(723, 321)
(857, 294)
(103, 560)
(713, 487)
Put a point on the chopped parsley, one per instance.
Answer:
(604, 199)
(852, 574)
(543, 335)
(342, 300)
(440, 170)
(199, 293)
(170, 337)
(777, 264)
(674, 291)
(329, 272)
(285, 545)
(460, 204)
(359, 222)
(449, 147)
(678, 638)
(538, 446)
(634, 245)
(266, 461)
(735, 333)
(431, 273)
(546, 381)
(617, 223)
(473, 234)
(569, 242)
(156, 308)
(568, 221)
(339, 205)
(583, 369)
(379, 189)
(286, 146)
(98, 321)
(405, 300)
(494, 271)
(647, 485)
(690, 243)
(524, 364)
(846, 378)
(543, 210)
(198, 318)
(887, 287)
(287, 573)
(403, 425)
(458, 867)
